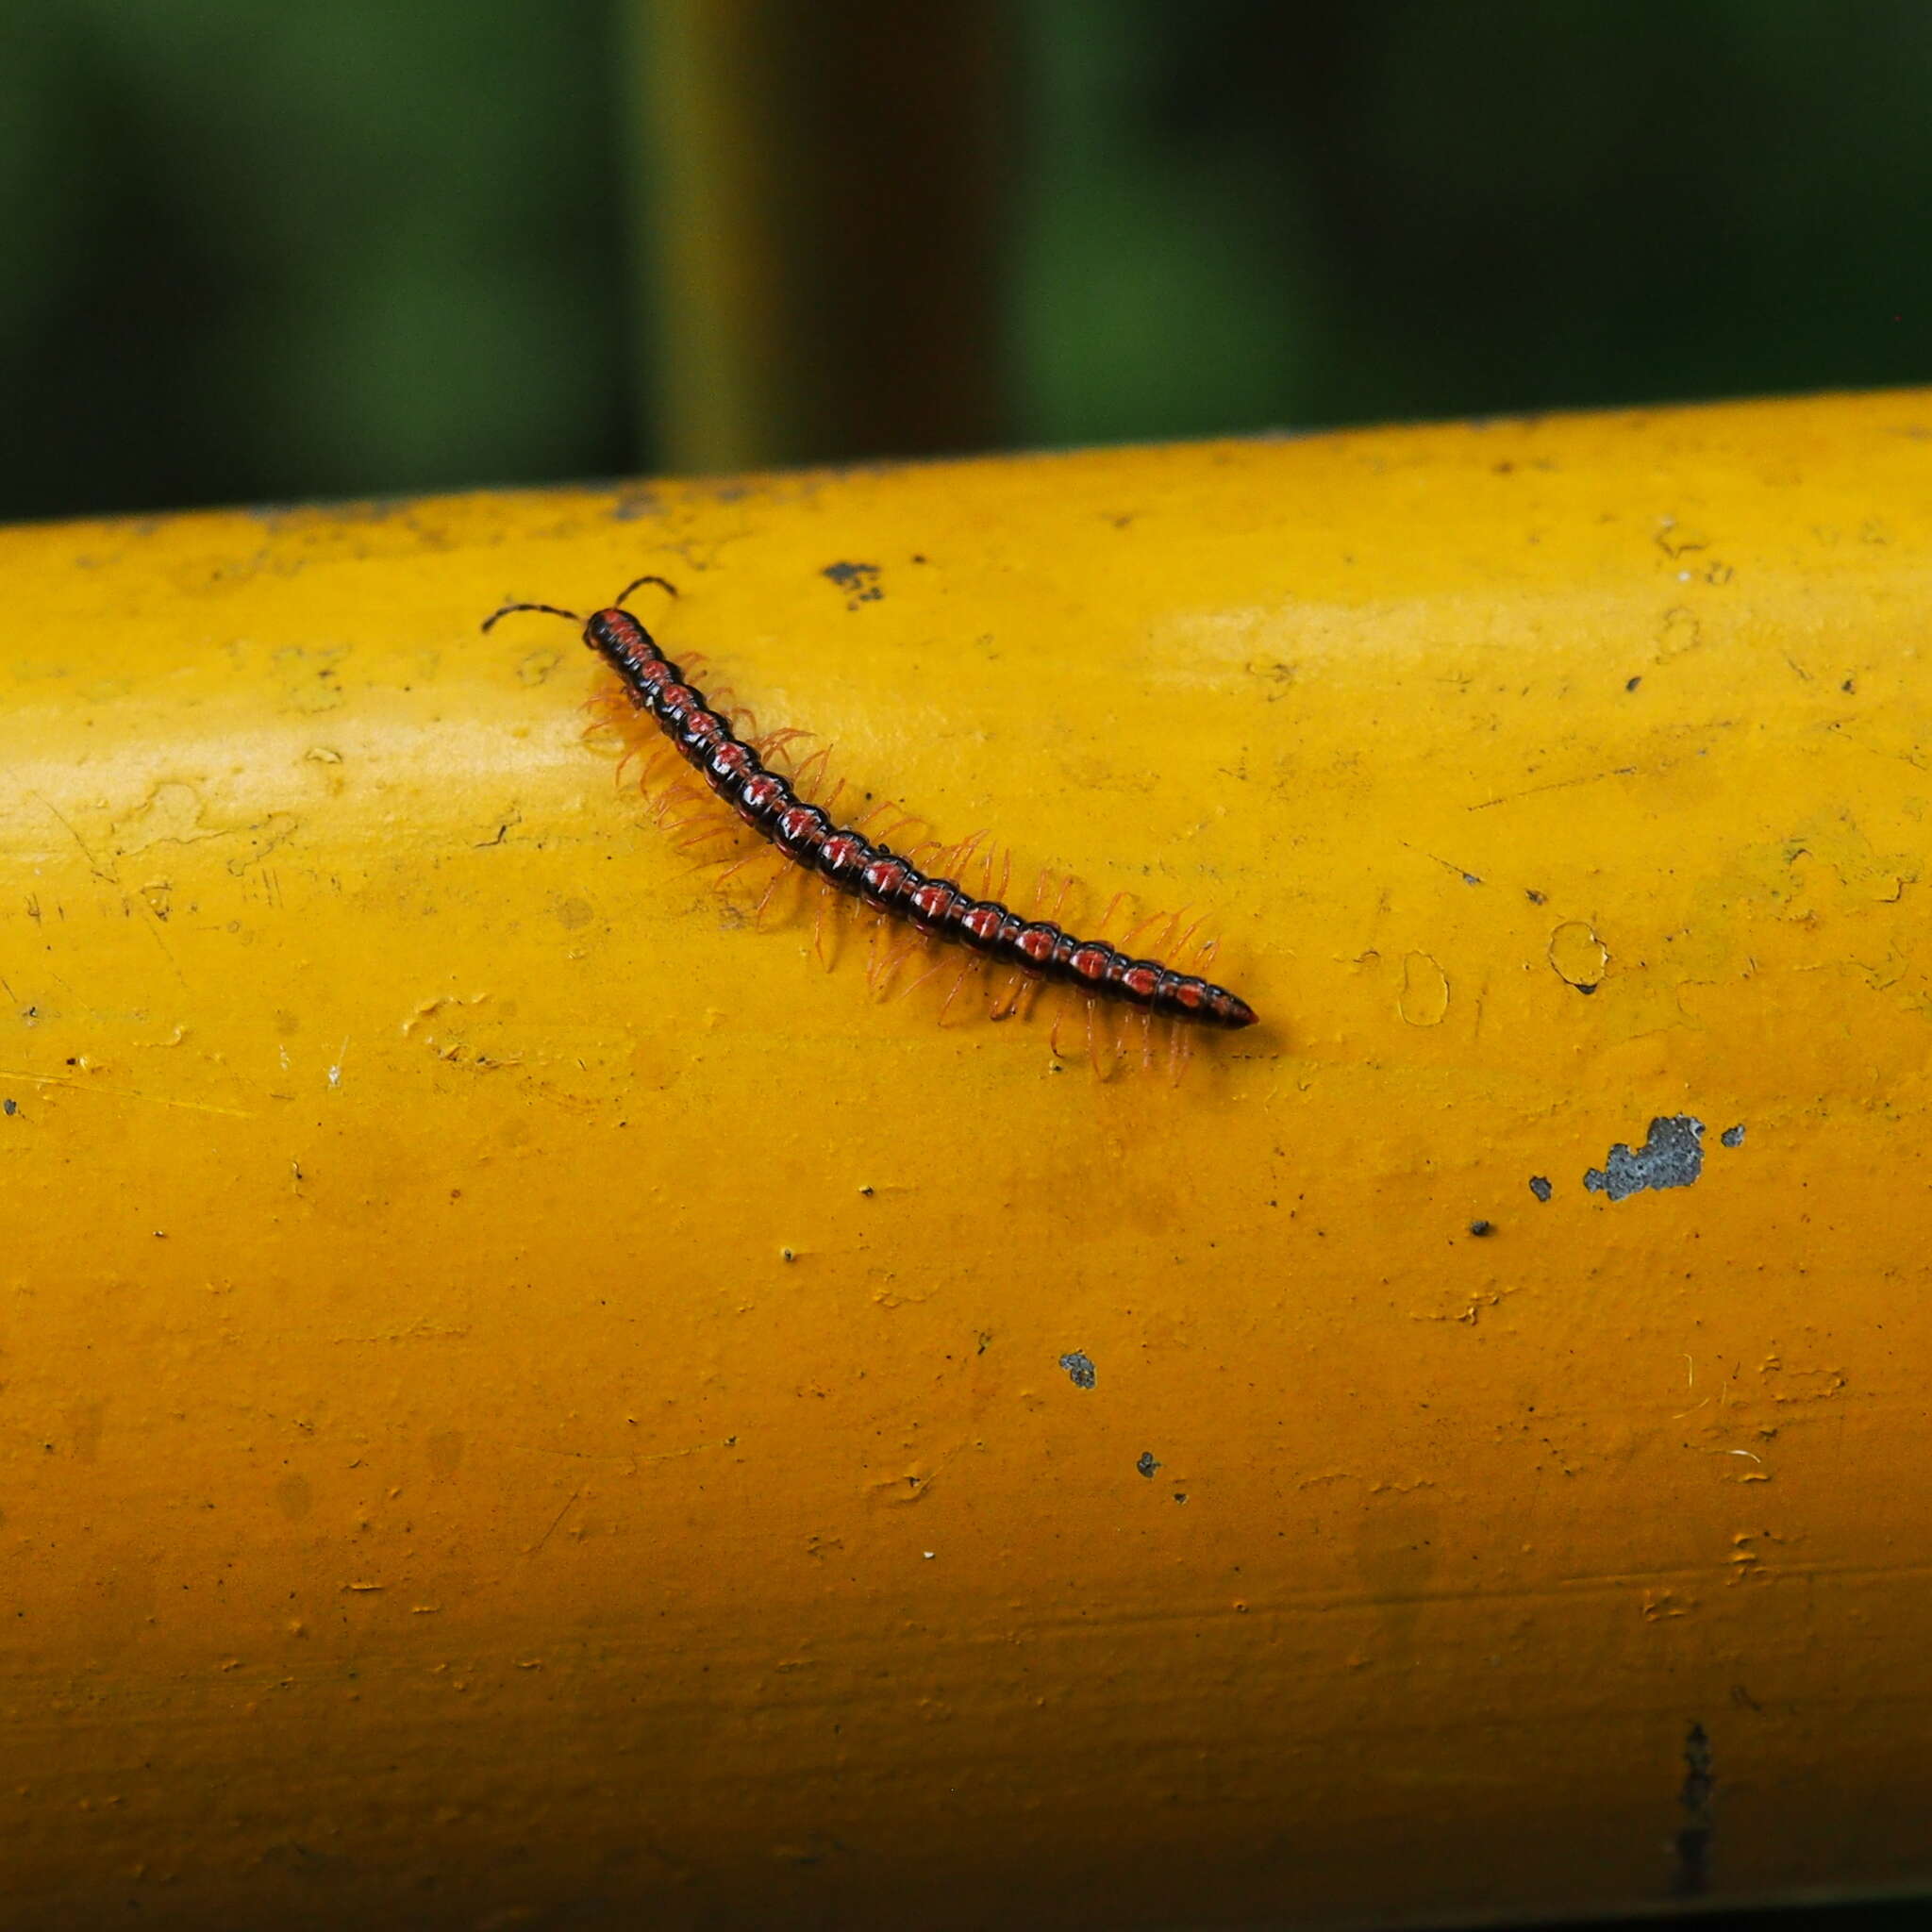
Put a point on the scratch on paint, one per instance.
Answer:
(67, 825)
(1554, 785)
(122, 1093)
(570, 1502)
(696, 1449)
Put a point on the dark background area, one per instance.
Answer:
(264, 252)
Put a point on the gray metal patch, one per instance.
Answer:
(1672, 1158)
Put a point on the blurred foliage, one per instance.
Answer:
(1249, 212)
(258, 250)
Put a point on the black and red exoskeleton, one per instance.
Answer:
(873, 873)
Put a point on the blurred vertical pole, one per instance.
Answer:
(819, 193)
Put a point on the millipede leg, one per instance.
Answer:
(651, 773)
(765, 898)
(880, 955)
(1172, 932)
(694, 834)
(774, 747)
(1092, 1041)
(893, 834)
(980, 862)
(827, 955)
(699, 866)
(1104, 1024)
(1005, 1001)
(1178, 1052)
(677, 814)
(942, 957)
(954, 859)
(899, 944)
(930, 856)
(813, 771)
(1186, 936)
(953, 993)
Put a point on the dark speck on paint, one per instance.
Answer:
(1146, 1463)
(1731, 1137)
(860, 581)
(1080, 1367)
(1480, 1228)
(12, 1107)
(1695, 1795)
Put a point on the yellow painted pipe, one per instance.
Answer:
(522, 1395)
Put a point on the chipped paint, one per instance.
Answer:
(1577, 956)
(1080, 1369)
(1424, 997)
(1673, 1157)
(1693, 1845)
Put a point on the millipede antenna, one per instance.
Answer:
(549, 610)
(664, 584)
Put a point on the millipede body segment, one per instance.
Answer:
(873, 873)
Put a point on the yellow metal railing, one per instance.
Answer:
(519, 1388)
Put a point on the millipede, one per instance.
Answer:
(885, 881)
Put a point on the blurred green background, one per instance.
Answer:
(262, 251)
